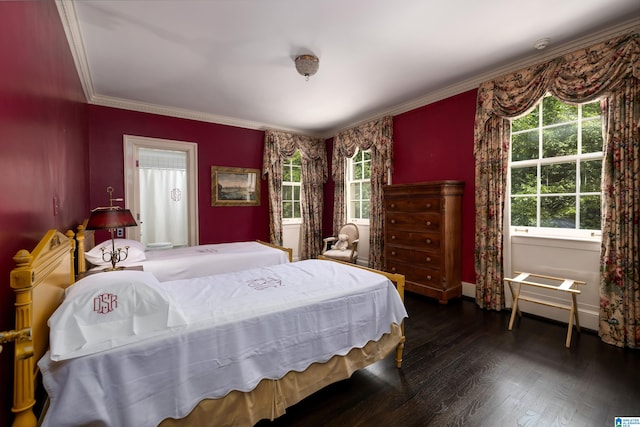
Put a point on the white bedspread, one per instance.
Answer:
(243, 327)
(206, 260)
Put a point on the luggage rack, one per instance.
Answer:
(563, 285)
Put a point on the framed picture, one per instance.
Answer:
(235, 186)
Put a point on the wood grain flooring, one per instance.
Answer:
(463, 367)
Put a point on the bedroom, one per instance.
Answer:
(47, 162)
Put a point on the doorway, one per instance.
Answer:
(161, 191)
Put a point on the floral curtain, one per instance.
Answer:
(377, 136)
(620, 262)
(609, 69)
(282, 145)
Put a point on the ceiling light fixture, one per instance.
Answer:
(307, 65)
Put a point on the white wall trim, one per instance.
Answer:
(131, 143)
(69, 18)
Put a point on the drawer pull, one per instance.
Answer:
(393, 221)
(428, 205)
(428, 241)
(393, 269)
(393, 253)
(428, 223)
(393, 205)
(393, 237)
(428, 277)
(428, 259)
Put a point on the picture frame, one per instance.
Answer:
(235, 186)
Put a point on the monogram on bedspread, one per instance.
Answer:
(239, 328)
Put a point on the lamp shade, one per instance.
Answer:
(110, 218)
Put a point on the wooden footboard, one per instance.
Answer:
(398, 280)
(289, 251)
(39, 280)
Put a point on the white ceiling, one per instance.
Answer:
(231, 61)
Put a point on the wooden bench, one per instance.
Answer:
(563, 285)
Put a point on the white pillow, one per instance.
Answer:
(136, 252)
(108, 310)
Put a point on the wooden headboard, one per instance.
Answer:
(85, 241)
(38, 280)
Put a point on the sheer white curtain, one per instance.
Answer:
(163, 201)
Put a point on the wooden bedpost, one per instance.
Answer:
(22, 278)
(399, 280)
(42, 267)
(81, 248)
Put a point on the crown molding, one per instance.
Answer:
(69, 18)
(143, 107)
(628, 27)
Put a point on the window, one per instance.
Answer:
(359, 187)
(291, 172)
(556, 166)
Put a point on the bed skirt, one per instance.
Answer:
(270, 398)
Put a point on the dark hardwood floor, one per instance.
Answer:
(463, 367)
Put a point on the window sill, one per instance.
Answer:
(568, 242)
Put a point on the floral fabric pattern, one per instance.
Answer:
(377, 136)
(620, 262)
(609, 69)
(313, 153)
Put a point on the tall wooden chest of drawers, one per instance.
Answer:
(422, 236)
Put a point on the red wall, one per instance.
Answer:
(54, 146)
(435, 142)
(218, 145)
(43, 135)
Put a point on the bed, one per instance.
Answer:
(50, 273)
(183, 262)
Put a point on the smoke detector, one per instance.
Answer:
(542, 43)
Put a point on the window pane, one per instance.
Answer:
(524, 146)
(530, 121)
(296, 210)
(524, 180)
(555, 111)
(366, 155)
(287, 210)
(523, 211)
(554, 202)
(286, 173)
(355, 191)
(590, 212)
(295, 174)
(365, 209)
(366, 191)
(366, 174)
(558, 178)
(287, 192)
(355, 209)
(357, 171)
(295, 159)
(296, 192)
(558, 212)
(590, 173)
(560, 141)
(591, 110)
(592, 136)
